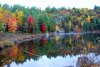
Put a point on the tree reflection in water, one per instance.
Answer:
(53, 46)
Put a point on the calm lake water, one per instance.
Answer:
(53, 51)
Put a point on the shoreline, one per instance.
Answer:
(8, 39)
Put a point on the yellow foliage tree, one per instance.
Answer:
(14, 15)
(69, 24)
(88, 19)
(57, 28)
(19, 17)
(21, 56)
(6, 16)
(78, 18)
(90, 45)
(57, 38)
(1, 9)
(1, 15)
(70, 40)
(76, 27)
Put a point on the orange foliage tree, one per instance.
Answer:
(12, 24)
(13, 51)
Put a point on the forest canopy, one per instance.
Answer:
(18, 18)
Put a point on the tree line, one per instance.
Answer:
(23, 19)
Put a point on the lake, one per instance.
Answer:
(66, 50)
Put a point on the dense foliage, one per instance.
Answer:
(1, 27)
(34, 20)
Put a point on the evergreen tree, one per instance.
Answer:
(1, 27)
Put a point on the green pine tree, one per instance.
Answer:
(1, 27)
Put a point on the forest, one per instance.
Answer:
(22, 19)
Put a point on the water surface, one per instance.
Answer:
(53, 51)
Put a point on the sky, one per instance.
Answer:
(46, 62)
(59, 61)
(54, 3)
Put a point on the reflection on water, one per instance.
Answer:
(74, 50)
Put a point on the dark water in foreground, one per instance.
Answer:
(54, 51)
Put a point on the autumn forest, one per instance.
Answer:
(22, 19)
(53, 35)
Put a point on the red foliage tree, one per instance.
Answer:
(30, 19)
(44, 41)
(31, 28)
(43, 28)
(79, 30)
(31, 50)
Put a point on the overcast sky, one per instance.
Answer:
(54, 3)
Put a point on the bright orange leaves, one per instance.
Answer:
(12, 25)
